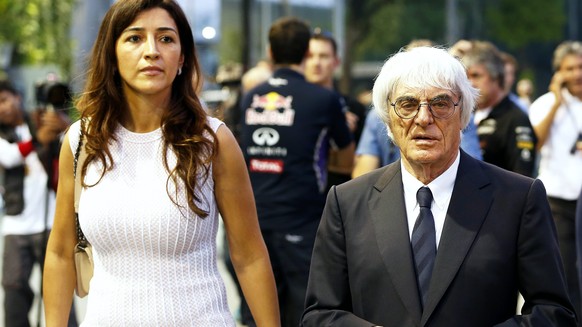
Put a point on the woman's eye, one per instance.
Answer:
(167, 39)
(133, 38)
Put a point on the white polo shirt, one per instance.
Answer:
(560, 170)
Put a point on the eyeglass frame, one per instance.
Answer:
(455, 105)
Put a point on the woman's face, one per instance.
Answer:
(149, 54)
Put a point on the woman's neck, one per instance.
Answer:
(144, 112)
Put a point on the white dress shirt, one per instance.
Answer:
(442, 190)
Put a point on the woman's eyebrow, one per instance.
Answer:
(141, 29)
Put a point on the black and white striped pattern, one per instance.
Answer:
(424, 242)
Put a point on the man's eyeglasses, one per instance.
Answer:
(441, 107)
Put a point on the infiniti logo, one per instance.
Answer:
(265, 136)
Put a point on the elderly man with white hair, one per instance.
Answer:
(437, 238)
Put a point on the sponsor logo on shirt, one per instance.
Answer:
(524, 141)
(266, 136)
(278, 81)
(487, 127)
(266, 166)
(271, 109)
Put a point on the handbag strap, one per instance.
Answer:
(80, 155)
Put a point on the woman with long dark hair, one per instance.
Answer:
(158, 173)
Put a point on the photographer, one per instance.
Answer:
(29, 197)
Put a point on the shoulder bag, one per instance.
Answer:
(83, 250)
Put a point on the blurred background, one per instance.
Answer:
(40, 38)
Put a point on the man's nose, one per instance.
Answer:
(424, 116)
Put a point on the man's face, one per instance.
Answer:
(321, 62)
(10, 112)
(425, 140)
(571, 70)
(489, 89)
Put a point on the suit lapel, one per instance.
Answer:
(467, 210)
(391, 228)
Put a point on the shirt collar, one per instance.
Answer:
(441, 187)
(569, 97)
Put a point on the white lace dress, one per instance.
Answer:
(154, 266)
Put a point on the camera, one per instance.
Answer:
(53, 94)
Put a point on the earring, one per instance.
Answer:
(180, 71)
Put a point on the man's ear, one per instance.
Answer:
(269, 52)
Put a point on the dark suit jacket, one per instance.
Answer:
(498, 239)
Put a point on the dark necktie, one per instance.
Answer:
(424, 242)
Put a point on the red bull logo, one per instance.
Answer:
(271, 109)
(272, 101)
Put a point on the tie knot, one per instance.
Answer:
(424, 197)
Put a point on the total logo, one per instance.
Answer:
(266, 136)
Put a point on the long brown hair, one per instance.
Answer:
(184, 125)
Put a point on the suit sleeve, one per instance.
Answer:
(540, 272)
(328, 299)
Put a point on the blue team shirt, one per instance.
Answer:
(288, 125)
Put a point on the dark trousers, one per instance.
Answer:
(21, 253)
(290, 255)
(564, 218)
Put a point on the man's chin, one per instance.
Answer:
(422, 156)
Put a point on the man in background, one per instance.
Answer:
(505, 134)
(557, 120)
(510, 72)
(29, 194)
(288, 125)
(320, 66)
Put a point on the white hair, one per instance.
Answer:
(422, 68)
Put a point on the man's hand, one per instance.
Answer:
(556, 85)
(352, 120)
(51, 125)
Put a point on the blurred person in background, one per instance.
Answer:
(229, 78)
(288, 126)
(320, 67)
(505, 134)
(525, 91)
(29, 198)
(509, 75)
(557, 120)
(256, 75)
